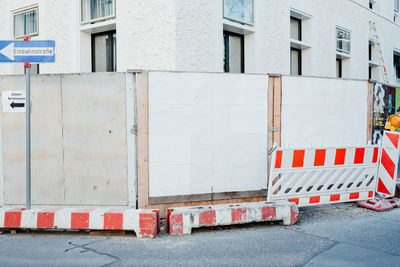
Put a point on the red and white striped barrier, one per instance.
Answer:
(145, 223)
(182, 220)
(387, 174)
(315, 176)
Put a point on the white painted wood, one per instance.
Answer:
(323, 111)
(131, 137)
(95, 155)
(207, 133)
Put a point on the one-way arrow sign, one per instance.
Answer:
(13, 101)
(17, 105)
(27, 51)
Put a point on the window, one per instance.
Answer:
(92, 10)
(343, 38)
(26, 23)
(371, 4)
(396, 63)
(396, 6)
(370, 48)
(104, 52)
(295, 61)
(239, 10)
(234, 52)
(295, 28)
(339, 66)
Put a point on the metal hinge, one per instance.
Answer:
(273, 129)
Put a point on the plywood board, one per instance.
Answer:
(320, 111)
(94, 135)
(13, 146)
(207, 133)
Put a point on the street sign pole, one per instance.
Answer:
(28, 135)
(28, 131)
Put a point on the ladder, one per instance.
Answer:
(377, 44)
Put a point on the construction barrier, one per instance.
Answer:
(387, 174)
(145, 223)
(315, 176)
(182, 220)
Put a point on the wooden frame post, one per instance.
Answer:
(143, 139)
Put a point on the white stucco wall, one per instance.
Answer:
(188, 35)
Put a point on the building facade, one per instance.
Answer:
(308, 37)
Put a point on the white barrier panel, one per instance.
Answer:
(320, 176)
(387, 174)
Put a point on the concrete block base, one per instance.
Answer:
(145, 223)
(181, 220)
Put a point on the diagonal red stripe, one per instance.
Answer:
(382, 188)
(388, 163)
(394, 138)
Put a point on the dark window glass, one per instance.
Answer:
(104, 52)
(234, 52)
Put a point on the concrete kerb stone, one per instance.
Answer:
(181, 220)
(145, 223)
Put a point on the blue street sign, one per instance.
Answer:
(27, 51)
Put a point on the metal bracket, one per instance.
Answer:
(134, 129)
(273, 129)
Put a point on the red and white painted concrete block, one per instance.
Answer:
(145, 223)
(181, 220)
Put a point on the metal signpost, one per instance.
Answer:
(28, 52)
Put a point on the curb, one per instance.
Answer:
(181, 220)
(145, 223)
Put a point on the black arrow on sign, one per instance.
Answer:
(17, 105)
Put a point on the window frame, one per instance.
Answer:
(398, 6)
(342, 50)
(22, 11)
(236, 20)
(93, 47)
(226, 51)
(97, 19)
(396, 53)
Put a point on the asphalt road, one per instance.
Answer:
(339, 235)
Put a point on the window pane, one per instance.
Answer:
(95, 9)
(19, 25)
(295, 62)
(101, 53)
(240, 10)
(396, 5)
(30, 22)
(295, 32)
(105, 52)
(343, 40)
(235, 54)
